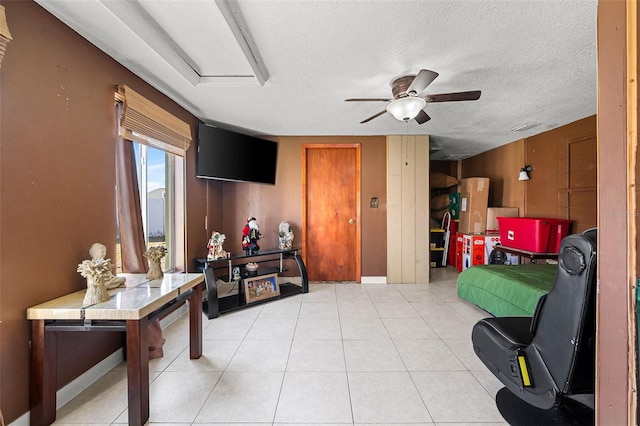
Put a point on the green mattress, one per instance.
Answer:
(505, 290)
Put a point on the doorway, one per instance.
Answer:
(331, 211)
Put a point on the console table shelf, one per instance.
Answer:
(225, 294)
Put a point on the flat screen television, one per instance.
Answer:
(227, 155)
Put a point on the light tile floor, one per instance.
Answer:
(343, 354)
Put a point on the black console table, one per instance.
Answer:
(231, 296)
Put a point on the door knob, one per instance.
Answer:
(352, 221)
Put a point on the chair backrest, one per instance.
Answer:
(565, 322)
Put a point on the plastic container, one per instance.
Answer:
(539, 235)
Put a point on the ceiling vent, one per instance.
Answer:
(523, 127)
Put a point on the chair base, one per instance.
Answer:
(518, 413)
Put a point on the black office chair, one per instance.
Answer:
(547, 360)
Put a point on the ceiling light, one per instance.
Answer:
(405, 109)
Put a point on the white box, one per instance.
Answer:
(489, 245)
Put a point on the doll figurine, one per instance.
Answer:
(215, 246)
(250, 236)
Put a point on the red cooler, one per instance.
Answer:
(539, 235)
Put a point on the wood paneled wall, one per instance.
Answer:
(562, 183)
(408, 211)
(501, 165)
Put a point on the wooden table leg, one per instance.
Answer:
(138, 371)
(195, 323)
(42, 395)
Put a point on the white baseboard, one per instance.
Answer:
(373, 280)
(89, 377)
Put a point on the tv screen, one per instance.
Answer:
(227, 155)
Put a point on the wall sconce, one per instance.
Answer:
(524, 173)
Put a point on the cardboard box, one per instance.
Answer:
(476, 250)
(459, 254)
(472, 250)
(451, 252)
(474, 197)
(494, 212)
(454, 205)
(489, 244)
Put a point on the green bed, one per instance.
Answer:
(505, 290)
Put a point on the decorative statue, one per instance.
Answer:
(285, 236)
(95, 271)
(215, 246)
(99, 251)
(250, 236)
(155, 255)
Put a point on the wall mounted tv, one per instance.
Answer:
(226, 155)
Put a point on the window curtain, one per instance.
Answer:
(132, 244)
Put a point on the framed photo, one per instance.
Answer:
(261, 288)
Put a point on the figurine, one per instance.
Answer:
(97, 271)
(99, 251)
(250, 236)
(236, 273)
(285, 236)
(155, 255)
(215, 246)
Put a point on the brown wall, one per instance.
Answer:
(57, 180)
(548, 192)
(271, 204)
(616, 384)
(501, 165)
(546, 189)
(57, 177)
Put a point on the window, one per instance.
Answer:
(150, 151)
(161, 186)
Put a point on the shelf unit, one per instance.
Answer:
(229, 295)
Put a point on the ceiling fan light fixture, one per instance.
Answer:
(405, 109)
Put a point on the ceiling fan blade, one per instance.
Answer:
(422, 117)
(367, 100)
(458, 96)
(421, 81)
(373, 116)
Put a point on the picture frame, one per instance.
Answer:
(261, 287)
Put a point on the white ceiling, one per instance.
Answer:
(285, 67)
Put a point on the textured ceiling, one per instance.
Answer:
(285, 67)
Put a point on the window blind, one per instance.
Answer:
(145, 122)
(5, 35)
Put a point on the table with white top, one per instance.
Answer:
(130, 309)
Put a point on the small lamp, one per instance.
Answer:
(524, 173)
(405, 109)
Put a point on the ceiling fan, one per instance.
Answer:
(408, 102)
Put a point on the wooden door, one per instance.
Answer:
(331, 211)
